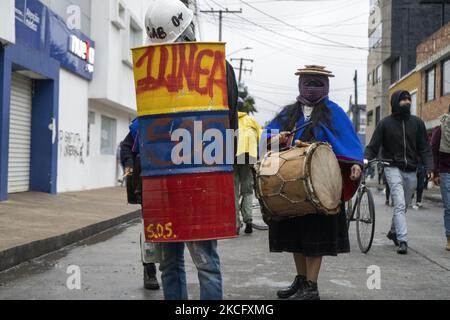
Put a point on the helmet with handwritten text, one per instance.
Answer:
(168, 21)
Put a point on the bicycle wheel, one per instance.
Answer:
(365, 221)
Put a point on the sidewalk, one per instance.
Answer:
(433, 194)
(34, 224)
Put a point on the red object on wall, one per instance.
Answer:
(191, 207)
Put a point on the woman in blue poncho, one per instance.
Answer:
(311, 237)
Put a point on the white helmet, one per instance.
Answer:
(166, 20)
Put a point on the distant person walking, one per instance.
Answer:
(247, 155)
(422, 181)
(440, 143)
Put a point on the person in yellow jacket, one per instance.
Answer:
(247, 155)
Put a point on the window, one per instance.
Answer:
(118, 14)
(369, 78)
(362, 123)
(430, 84)
(376, 37)
(373, 4)
(396, 70)
(377, 115)
(91, 122)
(414, 103)
(377, 74)
(108, 136)
(369, 118)
(132, 37)
(136, 35)
(446, 78)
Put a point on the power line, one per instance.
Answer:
(303, 31)
(292, 38)
(294, 52)
(220, 12)
(241, 67)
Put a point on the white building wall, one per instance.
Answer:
(7, 22)
(111, 93)
(104, 170)
(114, 80)
(82, 165)
(72, 135)
(68, 8)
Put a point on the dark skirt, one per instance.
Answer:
(312, 235)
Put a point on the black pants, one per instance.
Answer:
(421, 183)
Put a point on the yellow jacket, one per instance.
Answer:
(249, 135)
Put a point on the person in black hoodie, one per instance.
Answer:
(131, 163)
(402, 139)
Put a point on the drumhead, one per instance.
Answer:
(326, 178)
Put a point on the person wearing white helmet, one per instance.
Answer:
(169, 21)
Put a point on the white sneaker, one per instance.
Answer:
(419, 204)
(416, 207)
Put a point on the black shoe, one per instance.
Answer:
(387, 203)
(403, 248)
(392, 236)
(292, 289)
(150, 281)
(308, 292)
(248, 228)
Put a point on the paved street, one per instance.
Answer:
(111, 269)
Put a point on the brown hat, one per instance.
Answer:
(315, 70)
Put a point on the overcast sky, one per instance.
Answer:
(286, 35)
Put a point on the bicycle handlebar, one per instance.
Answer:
(384, 162)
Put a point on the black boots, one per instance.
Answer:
(150, 281)
(248, 228)
(403, 248)
(292, 289)
(309, 292)
(392, 236)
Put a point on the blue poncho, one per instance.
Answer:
(134, 129)
(345, 142)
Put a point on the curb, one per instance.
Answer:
(14, 256)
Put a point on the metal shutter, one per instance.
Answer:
(19, 135)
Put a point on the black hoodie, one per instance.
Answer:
(402, 139)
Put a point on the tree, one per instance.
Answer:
(249, 101)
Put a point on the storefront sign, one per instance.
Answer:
(40, 28)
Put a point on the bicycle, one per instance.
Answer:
(363, 212)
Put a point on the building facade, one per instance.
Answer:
(396, 28)
(433, 65)
(7, 29)
(412, 83)
(358, 114)
(66, 92)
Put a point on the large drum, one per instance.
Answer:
(299, 181)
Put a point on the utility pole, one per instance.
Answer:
(241, 67)
(220, 12)
(356, 109)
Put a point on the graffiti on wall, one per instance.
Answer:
(71, 146)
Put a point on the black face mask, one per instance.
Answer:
(406, 109)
